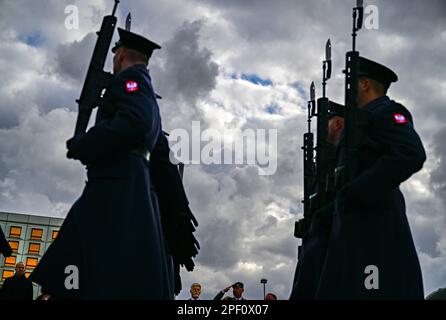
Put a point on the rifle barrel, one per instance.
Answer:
(115, 7)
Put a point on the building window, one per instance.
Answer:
(31, 263)
(10, 261)
(27, 274)
(15, 232)
(55, 233)
(7, 274)
(34, 248)
(36, 234)
(14, 246)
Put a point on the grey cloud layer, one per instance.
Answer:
(188, 70)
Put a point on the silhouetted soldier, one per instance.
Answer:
(237, 291)
(315, 242)
(117, 218)
(371, 254)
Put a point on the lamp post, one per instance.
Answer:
(263, 281)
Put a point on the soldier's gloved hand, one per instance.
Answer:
(73, 147)
(185, 246)
(182, 243)
(7, 252)
(228, 288)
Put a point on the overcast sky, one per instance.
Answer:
(230, 65)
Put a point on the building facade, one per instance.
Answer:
(29, 236)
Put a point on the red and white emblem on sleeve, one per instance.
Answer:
(131, 86)
(399, 118)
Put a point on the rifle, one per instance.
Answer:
(301, 226)
(355, 120)
(323, 146)
(96, 80)
(318, 173)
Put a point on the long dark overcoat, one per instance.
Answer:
(113, 233)
(370, 230)
(313, 250)
(312, 256)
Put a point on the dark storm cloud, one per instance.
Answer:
(7, 118)
(73, 58)
(187, 70)
(275, 20)
(399, 17)
(218, 239)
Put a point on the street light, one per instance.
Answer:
(264, 281)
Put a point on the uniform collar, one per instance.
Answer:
(141, 67)
(377, 102)
(138, 66)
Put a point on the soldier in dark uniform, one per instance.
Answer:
(371, 254)
(315, 241)
(237, 291)
(116, 222)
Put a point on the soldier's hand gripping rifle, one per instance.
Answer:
(301, 226)
(177, 220)
(97, 79)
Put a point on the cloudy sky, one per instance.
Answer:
(230, 65)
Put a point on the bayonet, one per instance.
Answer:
(328, 50)
(312, 92)
(360, 8)
(312, 105)
(128, 22)
(358, 17)
(326, 66)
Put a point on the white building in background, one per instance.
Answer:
(29, 236)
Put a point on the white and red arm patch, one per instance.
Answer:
(131, 86)
(399, 118)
